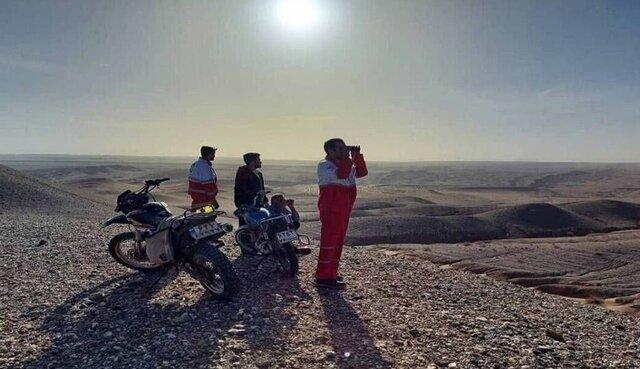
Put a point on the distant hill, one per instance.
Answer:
(19, 192)
(520, 221)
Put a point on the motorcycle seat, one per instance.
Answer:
(166, 223)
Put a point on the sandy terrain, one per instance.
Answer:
(601, 269)
(65, 303)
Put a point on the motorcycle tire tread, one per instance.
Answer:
(226, 268)
(290, 253)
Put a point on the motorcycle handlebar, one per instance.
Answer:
(155, 182)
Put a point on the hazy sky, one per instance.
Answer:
(408, 80)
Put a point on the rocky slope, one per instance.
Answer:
(65, 304)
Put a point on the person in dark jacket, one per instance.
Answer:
(249, 182)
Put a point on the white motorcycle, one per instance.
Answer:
(158, 239)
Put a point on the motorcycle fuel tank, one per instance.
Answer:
(159, 208)
(150, 215)
(253, 216)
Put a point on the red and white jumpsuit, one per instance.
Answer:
(337, 181)
(203, 180)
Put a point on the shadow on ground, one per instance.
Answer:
(349, 335)
(145, 320)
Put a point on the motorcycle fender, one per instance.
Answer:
(118, 219)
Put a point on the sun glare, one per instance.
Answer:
(298, 15)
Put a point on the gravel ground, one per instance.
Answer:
(66, 304)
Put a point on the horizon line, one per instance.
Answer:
(315, 160)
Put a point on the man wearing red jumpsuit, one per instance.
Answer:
(203, 180)
(337, 180)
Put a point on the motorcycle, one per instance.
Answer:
(269, 236)
(158, 239)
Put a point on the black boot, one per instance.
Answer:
(333, 284)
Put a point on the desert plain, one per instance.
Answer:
(449, 264)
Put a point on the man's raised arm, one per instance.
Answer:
(344, 168)
(358, 160)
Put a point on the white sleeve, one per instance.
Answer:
(326, 173)
(201, 172)
(214, 175)
(192, 170)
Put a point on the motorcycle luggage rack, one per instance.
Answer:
(268, 220)
(199, 211)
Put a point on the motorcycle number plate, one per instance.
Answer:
(287, 236)
(205, 230)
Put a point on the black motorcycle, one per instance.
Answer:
(269, 236)
(159, 239)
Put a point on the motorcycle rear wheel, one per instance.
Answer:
(122, 247)
(213, 269)
(287, 259)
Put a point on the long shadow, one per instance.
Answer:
(268, 296)
(115, 324)
(118, 323)
(352, 343)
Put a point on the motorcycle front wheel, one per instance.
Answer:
(129, 252)
(287, 259)
(214, 271)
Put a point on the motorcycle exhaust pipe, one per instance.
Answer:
(228, 228)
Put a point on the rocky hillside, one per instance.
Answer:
(21, 192)
(65, 304)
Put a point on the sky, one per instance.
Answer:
(407, 80)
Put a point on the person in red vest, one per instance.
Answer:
(337, 175)
(203, 180)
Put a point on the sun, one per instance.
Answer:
(298, 15)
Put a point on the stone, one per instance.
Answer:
(555, 335)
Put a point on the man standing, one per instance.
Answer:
(337, 175)
(203, 180)
(249, 182)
